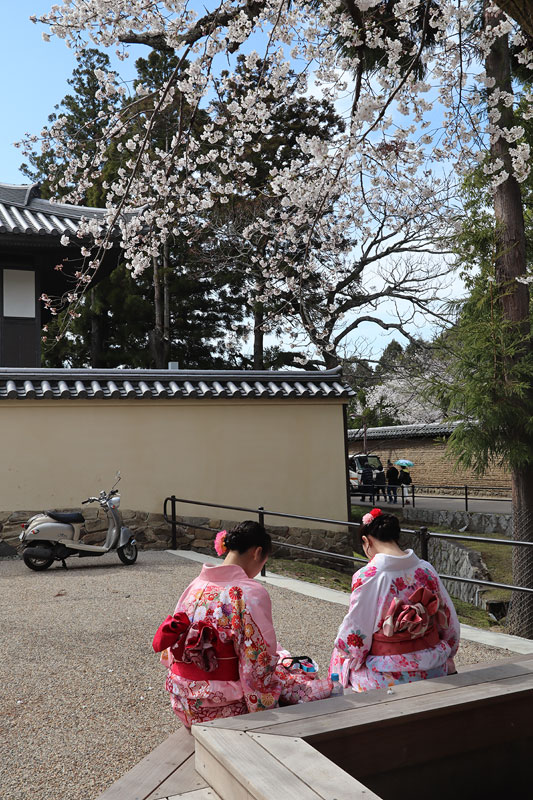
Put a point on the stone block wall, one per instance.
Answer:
(475, 522)
(197, 533)
(452, 558)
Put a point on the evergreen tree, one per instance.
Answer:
(176, 311)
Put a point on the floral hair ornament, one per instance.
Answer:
(220, 545)
(371, 516)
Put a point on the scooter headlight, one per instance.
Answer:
(114, 502)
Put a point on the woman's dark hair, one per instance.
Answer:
(248, 534)
(385, 528)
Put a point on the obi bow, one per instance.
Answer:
(194, 643)
(415, 616)
(200, 646)
(170, 631)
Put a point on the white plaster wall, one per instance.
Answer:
(286, 455)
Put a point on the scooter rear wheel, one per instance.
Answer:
(128, 553)
(37, 564)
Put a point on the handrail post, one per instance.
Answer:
(173, 522)
(466, 497)
(261, 515)
(424, 541)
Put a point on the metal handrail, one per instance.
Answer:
(374, 490)
(424, 534)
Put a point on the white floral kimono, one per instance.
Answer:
(401, 625)
(224, 619)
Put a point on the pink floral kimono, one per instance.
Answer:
(221, 652)
(401, 625)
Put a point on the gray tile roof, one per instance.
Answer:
(22, 212)
(405, 431)
(160, 384)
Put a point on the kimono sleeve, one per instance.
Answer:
(354, 638)
(452, 633)
(256, 649)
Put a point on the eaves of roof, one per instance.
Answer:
(163, 384)
(422, 430)
(23, 213)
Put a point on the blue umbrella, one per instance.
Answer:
(404, 462)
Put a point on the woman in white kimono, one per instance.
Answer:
(401, 625)
(220, 646)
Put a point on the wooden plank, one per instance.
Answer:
(403, 707)
(153, 770)
(184, 779)
(264, 720)
(328, 780)
(198, 794)
(220, 779)
(238, 763)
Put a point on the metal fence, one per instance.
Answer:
(423, 533)
(409, 493)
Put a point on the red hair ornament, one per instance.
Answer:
(220, 545)
(371, 516)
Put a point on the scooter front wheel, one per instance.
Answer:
(128, 553)
(37, 564)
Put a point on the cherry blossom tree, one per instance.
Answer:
(411, 75)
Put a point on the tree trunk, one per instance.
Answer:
(510, 265)
(520, 11)
(259, 352)
(96, 342)
(166, 300)
(158, 342)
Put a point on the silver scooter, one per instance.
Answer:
(55, 535)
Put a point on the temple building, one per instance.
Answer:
(30, 250)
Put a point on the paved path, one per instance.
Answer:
(449, 504)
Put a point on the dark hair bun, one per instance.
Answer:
(384, 527)
(246, 535)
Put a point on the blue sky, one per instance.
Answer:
(34, 78)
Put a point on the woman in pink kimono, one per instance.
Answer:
(220, 646)
(402, 625)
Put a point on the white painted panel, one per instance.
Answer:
(19, 293)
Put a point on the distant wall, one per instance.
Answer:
(432, 465)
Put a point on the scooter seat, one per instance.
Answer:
(66, 516)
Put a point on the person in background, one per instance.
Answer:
(393, 481)
(405, 481)
(367, 480)
(401, 625)
(380, 483)
(220, 646)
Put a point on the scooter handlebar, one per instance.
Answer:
(89, 500)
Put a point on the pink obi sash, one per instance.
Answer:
(197, 650)
(409, 627)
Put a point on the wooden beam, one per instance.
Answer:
(312, 768)
(153, 770)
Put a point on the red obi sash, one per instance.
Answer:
(400, 643)
(409, 627)
(198, 652)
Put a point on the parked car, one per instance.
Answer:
(355, 466)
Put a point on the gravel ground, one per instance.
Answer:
(82, 692)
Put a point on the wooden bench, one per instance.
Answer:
(167, 772)
(465, 727)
